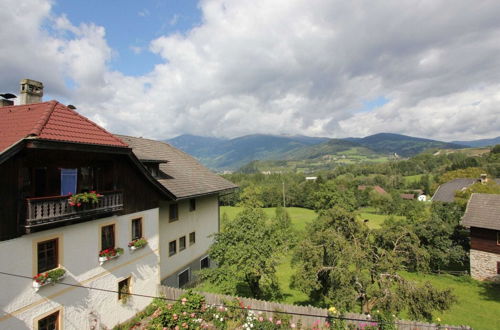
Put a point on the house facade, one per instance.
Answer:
(75, 202)
(188, 221)
(482, 216)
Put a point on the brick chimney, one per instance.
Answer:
(31, 91)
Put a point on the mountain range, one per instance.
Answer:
(231, 154)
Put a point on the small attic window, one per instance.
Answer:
(154, 169)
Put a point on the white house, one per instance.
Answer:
(49, 156)
(187, 222)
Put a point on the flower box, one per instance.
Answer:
(50, 277)
(137, 244)
(109, 254)
(84, 199)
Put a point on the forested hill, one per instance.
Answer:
(220, 154)
(333, 147)
(480, 143)
(233, 153)
(403, 145)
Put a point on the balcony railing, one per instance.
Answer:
(47, 210)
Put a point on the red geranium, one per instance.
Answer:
(41, 278)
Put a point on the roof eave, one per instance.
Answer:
(224, 191)
(11, 151)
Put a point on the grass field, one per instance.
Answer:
(478, 303)
(412, 178)
(374, 220)
(300, 217)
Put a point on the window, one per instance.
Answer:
(173, 212)
(172, 248)
(50, 322)
(192, 238)
(205, 263)
(47, 255)
(154, 169)
(192, 204)
(107, 237)
(182, 243)
(183, 278)
(136, 228)
(86, 179)
(124, 289)
(68, 181)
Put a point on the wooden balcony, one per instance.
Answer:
(42, 211)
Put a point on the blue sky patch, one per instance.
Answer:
(132, 25)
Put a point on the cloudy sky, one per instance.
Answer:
(161, 68)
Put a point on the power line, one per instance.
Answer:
(217, 305)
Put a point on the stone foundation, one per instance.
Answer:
(483, 265)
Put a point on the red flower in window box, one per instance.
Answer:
(137, 243)
(110, 253)
(41, 278)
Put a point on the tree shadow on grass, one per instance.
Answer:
(300, 302)
(490, 290)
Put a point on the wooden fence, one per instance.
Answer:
(307, 315)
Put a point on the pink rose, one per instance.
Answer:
(278, 322)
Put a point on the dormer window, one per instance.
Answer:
(154, 169)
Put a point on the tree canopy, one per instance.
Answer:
(343, 263)
(247, 251)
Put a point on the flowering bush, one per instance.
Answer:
(86, 197)
(138, 243)
(111, 252)
(184, 314)
(335, 318)
(191, 312)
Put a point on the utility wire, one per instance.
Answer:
(217, 305)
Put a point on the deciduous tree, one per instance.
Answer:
(342, 263)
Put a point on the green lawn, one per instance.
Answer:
(284, 273)
(300, 217)
(412, 178)
(374, 220)
(478, 302)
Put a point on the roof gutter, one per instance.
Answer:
(218, 192)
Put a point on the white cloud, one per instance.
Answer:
(281, 66)
(144, 13)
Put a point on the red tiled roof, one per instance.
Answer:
(50, 121)
(378, 189)
(407, 196)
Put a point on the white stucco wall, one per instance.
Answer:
(79, 246)
(204, 221)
